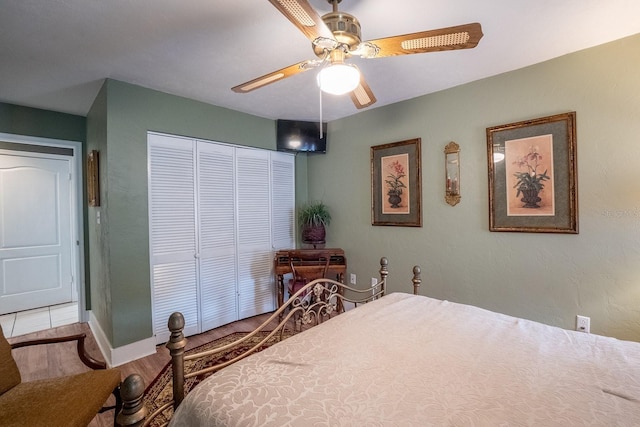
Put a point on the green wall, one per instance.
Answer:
(96, 235)
(117, 125)
(545, 277)
(28, 121)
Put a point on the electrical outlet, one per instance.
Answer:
(374, 281)
(583, 324)
(353, 279)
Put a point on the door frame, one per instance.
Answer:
(77, 198)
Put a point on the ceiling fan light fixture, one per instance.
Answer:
(338, 79)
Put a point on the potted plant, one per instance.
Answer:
(313, 218)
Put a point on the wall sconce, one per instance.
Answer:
(452, 171)
(93, 178)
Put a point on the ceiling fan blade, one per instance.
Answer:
(362, 96)
(303, 16)
(275, 76)
(459, 37)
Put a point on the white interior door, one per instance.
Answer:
(36, 250)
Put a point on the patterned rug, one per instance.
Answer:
(160, 390)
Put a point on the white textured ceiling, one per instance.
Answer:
(55, 54)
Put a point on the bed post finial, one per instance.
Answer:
(416, 279)
(176, 344)
(384, 272)
(133, 409)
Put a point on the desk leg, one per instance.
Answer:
(280, 286)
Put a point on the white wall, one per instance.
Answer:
(544, 277)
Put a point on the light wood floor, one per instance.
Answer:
(45, 361)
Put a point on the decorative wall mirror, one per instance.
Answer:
(452, 171)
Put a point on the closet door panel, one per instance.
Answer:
(256, 292)
(172, 239)
(253, 200)
(256, 284)
(171, 198)
(175, 289)
(283, 200)
(218, 295)
(217, 217)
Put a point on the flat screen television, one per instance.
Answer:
(301, 136)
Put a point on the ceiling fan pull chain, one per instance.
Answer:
(320, 96)
(323, 64)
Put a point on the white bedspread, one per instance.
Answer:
(407, 360)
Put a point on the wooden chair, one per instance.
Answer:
(306, 268)
(65, 401)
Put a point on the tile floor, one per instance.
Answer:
(24, 322)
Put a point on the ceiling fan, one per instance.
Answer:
(336, 36)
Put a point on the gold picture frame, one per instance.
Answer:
(396, 196)
(533, 175)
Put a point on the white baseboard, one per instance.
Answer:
(120, 355)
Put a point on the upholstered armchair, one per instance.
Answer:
(65, 401)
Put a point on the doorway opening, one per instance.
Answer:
(41, 250)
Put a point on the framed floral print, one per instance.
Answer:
(532, 175)
(395, 184)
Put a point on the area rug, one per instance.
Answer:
(160, 390)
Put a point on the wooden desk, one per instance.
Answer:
(337, 265)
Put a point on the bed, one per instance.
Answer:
(410, 360)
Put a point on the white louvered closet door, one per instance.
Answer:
(256, 291)
(216, 213)
(217, 218)
(172, 210)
